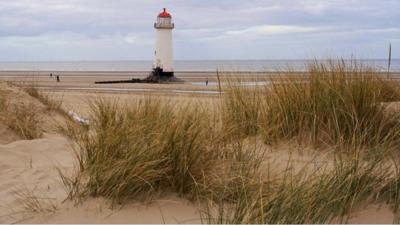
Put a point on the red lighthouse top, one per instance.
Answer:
(164, 14)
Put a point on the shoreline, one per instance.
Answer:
(5, 72)
(194, 85)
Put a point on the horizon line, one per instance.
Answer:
(146, 60)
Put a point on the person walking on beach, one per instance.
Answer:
(207, 82)
(51, 75)
(58, 78)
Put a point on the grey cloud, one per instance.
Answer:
(218, 26)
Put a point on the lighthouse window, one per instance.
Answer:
(164, 22)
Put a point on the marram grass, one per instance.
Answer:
(22, 118)
(336, 104)
(150, 147)
(301, 197)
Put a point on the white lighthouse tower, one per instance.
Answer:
(163, 62)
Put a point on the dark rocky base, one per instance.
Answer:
(162, 79)
(156, 77)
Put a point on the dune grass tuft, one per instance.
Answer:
(316, 197)
(25, 121)
(50, 103)
(146, 148)
(32, 203)
(21, 118)
(337, 104)
(241, 108)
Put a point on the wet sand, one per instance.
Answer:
(194, 82)
(84, 81)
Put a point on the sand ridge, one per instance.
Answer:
(29, 170)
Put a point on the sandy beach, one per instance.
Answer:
(30, 168)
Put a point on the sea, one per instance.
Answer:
(185, 65)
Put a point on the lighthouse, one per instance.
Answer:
(163, 66)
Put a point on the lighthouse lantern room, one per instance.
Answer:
(163, 62)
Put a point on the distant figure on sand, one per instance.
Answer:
(58, 78)
(51, 75)
(207, 82)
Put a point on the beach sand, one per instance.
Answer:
(31, 190)
(29, 169)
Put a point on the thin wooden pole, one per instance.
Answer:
(390, 60)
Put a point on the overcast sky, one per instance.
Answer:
(205, 29)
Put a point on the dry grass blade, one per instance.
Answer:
(51, 103)
(32, 203)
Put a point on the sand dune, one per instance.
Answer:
(31, 190)
(30, 166)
